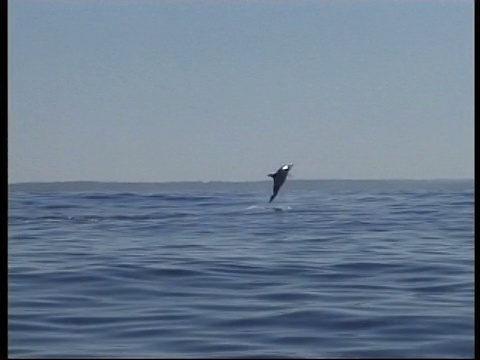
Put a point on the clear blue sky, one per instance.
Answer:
(131, 90)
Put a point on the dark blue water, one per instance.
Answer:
(329, 269)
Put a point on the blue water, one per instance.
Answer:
(329, 269)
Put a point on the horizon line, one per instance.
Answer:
(230, 181)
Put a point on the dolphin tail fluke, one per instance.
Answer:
(272, 197)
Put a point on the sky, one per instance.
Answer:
(153, 91)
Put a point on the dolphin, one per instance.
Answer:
(279, 178)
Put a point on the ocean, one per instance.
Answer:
(329, 269)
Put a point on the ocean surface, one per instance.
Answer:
(332, 269)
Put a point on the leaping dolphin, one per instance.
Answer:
(279, 178)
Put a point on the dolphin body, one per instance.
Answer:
(279, 178)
